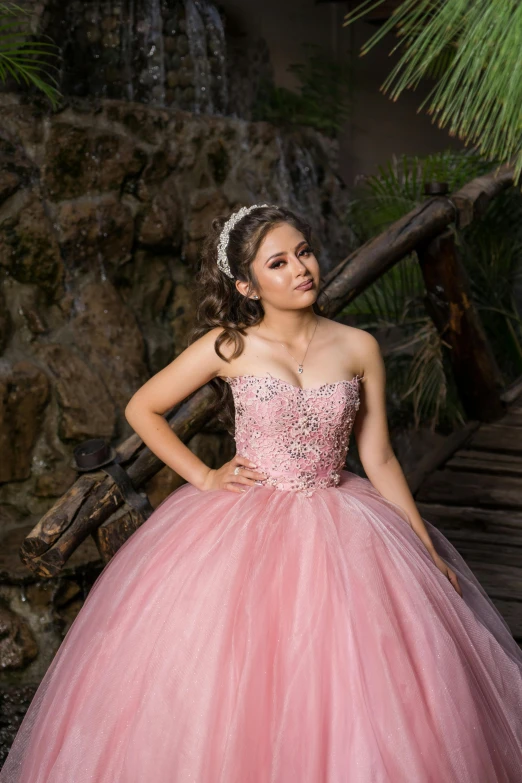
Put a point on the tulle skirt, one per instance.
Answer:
(270, 637)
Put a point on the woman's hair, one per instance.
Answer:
(219, 303)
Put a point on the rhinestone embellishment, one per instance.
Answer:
(298, 437)
(222, 260)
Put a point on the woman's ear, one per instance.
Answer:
(243, 288)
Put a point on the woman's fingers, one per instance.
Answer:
(247, 469)
(240, 460)
(452, 576)
(245, 475)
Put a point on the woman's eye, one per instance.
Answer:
(306, 250)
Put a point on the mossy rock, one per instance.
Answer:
(28, 246)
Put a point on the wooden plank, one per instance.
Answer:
(461, 488)
(488, 552)
(476, 523)
(513, 393)
(497, 437)
(486, 462)
(512, 419)
(499, 582)
(478, 538)
(437, 457)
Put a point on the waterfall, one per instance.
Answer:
(154, 51)
(127, 34)
(217, 48)
(198, 51)
(149, 51)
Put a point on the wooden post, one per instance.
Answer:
(112, 533)
(448, 302)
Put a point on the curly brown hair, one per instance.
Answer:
(220, 303)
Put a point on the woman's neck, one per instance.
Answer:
(289, 326)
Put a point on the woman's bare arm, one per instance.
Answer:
(194, 367)
(373, 441)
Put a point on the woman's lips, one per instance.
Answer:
(305, 286)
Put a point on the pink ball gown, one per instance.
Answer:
(298, 632)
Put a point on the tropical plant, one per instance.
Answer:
(492, 254)
(398, 186)
(491, 250)
(418, 378)
(323, 100)
(473, 51)
(22, 59)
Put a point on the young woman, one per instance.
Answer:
(278, 619)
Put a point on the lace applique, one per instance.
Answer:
(298, 437)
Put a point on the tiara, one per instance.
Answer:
(222, 260)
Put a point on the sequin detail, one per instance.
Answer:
(298, 437)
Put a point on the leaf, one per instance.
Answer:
(25, 60)
(478, 98)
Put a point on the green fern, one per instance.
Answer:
(27, 62)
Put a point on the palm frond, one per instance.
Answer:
(12, 9)
(395, 298)
(441, 64)
(427, 382)
(479, 99)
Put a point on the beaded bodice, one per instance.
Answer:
(297, 437)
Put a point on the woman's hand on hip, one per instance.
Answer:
(225, 477)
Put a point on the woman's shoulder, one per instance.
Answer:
(353, 337)
(360, 347)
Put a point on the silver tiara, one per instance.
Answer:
(222, 260)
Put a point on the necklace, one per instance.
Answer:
(300, 365)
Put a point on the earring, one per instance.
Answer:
(255, 296)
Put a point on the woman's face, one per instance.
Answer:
(283, 263)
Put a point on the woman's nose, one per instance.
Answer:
(300, 266)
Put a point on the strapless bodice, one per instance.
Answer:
(298, 437)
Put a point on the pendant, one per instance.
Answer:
(300, 369)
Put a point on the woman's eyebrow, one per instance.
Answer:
(302, 242)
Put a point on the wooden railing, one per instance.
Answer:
(88, 507)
